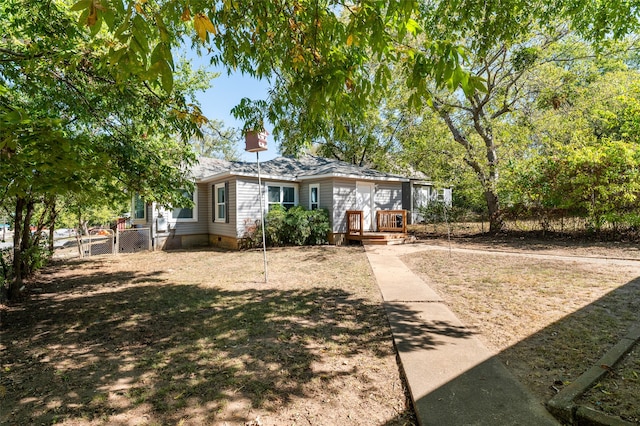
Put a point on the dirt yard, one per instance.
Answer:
(198, 338)
(550, 318)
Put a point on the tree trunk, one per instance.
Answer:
(496, 222)
(82, 230)
(53, 214)
(27, 240)
(16, 282)
(487, 176)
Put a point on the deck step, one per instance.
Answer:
(390, 242)
(381, 238)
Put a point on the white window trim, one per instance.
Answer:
(134, 219)
(171, 219)
(317, 186)
(296, 192)
(217, 204)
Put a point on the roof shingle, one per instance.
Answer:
(307, 166)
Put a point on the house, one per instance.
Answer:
(226, 199)
(418, 193)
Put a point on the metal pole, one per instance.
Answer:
(264, 231)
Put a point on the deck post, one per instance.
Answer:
(354, 223)
(392, 227)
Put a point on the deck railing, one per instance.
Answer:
(386, 221)
(391, 220)
(354, 222)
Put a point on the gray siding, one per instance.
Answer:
(344, 198)
(326, 196)
(247, 206)
(223, 228)
(304, 195)
(325, 193)
(336, 195)
(199, 227)
(388, 196)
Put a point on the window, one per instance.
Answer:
(220, 203)
(282, 195)
(186, 213)
(139, 208)
(314, 196)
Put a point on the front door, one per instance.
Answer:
(364, 199)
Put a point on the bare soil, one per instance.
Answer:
(198, 338)
(579, 244)
(549, 316)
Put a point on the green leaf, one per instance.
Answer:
(109, 17)
(82, 4)
(157, 54)
(95, 28)
(167, 77)
(82, 19)
(139, 30)
(162, 28)
(413, 27)
(14, 117)
(154, 71)
(478, 84)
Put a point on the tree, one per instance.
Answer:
(355, 134)
(217, 141)
(421, 142)
(585, 160)
(327, 44)
(108, 98)
(477, 51)
(70, 125)
(479, 120)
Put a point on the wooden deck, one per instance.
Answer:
(391, 225)
(381, 238)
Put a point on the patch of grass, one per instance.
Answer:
(618, 393)
(549, 319)
(199, 337)
(138, 395)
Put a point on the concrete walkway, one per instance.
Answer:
(453, 378)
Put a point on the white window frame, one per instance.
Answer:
(217, 203)
(313, 186)
(194, 209)
(281, 185)
(135, 219)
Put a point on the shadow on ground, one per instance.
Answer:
(547, 361)
(583, 245)
(97, 346)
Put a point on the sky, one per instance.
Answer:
(225, 93)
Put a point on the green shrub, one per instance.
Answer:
(320, 227)
(440, 212)
(296, 226)
(275, 226)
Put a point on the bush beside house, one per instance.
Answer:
(296, 226)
